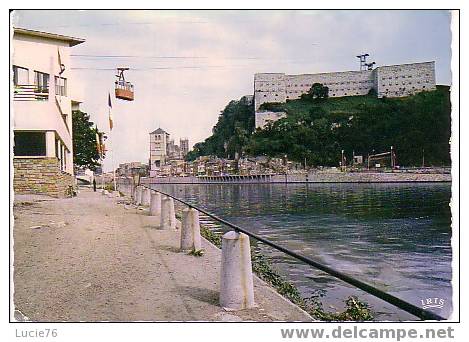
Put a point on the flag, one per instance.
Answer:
(61, 65)
(110, 111)
(98, 143)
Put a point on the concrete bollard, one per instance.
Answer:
(146, 194)
(138, 195)
(168, 217)
(155, 205)
(190, 231)
(236, 286)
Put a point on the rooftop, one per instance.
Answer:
(72, 41)
(158, 131)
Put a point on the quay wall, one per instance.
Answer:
(313, 177)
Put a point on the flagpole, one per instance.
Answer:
(112, 142)
(112, 162)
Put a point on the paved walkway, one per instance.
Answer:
(93, 258)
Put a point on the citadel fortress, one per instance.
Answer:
(388, 81)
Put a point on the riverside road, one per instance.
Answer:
(94, 258)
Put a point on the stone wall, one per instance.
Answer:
(311, 177)
(41, 176)
(262, 118)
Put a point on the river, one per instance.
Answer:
(396, 237)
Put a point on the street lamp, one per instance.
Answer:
(342, 161)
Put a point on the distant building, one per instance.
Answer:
(159, 140)
(42, 112)
(387, 81)
(131, 169)
(184, 146)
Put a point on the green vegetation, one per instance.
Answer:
(230, 134)
(319, 128)
(355, 309)
(197, 252)
(109, 186)
(317, 91)
(85, 152)
(210, 236)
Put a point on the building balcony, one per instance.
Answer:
(30, 93)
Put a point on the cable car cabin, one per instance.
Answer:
(124, 90)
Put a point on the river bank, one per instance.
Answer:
(311, 177)
(94, 258)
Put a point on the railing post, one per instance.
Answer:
(155, 205)
(236, 286)
(168, 217)
(190, 230)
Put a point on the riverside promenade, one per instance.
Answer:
(94, 258)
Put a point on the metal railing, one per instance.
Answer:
(124, 86)
(30, 93)
(393, 300)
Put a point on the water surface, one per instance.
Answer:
(394, 236)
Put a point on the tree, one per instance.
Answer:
(85, 151)
(231, 133)
(318, 91)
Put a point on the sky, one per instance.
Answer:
(187, 65)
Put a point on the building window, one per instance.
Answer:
(41, 81)
(60, 86)
(29, 144)
(20, 76)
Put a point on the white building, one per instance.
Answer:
(42, 112)
(159, 140)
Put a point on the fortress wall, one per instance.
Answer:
(405, 79)
(340, 84)
(268, 88)
(263, 117)
(390, 81)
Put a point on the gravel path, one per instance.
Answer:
(93, 258)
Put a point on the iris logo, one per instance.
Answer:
(432, 303)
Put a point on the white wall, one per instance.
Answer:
(158, 146)
(405, 79)
(262, 118)
(40, 54)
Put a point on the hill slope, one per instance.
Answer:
(319, 130)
